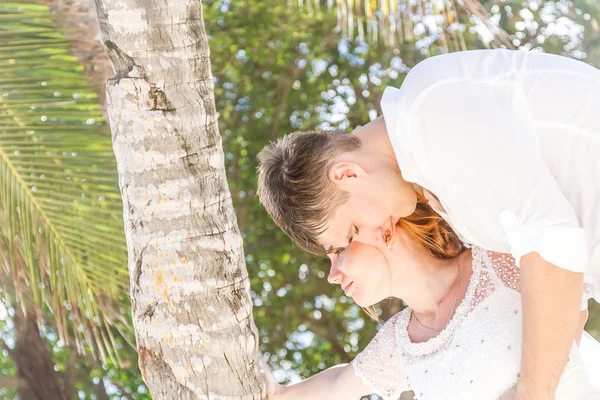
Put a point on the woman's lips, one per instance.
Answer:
(348, 286)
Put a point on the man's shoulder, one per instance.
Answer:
(472, 65)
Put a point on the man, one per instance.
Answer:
(505, 145)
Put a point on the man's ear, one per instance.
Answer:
(344, 173)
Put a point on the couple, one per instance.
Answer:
(504, 146)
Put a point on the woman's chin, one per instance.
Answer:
(367, 301)
(362, 296)
(363, 302)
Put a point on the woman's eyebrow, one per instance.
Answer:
(333, 250)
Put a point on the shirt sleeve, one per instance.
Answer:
(477, 140)
(379, 365)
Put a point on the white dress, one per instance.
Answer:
(477, 355)
(509, 142)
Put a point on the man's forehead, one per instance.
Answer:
(336, 233)
(334, 237)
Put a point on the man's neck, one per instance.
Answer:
(375, 139)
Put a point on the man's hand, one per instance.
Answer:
(551, 299)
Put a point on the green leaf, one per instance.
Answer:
(60, 207)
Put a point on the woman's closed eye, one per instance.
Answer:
(335, 250)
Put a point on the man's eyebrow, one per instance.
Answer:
(330, 249)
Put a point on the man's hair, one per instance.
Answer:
(294, 187)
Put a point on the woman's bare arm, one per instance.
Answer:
(336, 383)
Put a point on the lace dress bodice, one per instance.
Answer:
(476, 356)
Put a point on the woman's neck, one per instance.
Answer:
(439, 287)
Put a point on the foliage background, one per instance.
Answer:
(278, 67)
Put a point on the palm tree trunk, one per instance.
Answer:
(191, 307)
(78, 19)
(31, 356)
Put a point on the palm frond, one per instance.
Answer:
(61, 224)
(420, 22)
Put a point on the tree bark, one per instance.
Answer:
(191, 304)
(31, 356)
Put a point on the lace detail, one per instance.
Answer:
(379, 365)
(478, 354)
(506, 269)
(413, 352)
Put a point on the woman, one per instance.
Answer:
(460, 336)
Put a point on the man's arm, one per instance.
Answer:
(551, 299)
(583, 317)
(483, 150)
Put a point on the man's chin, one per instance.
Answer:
(407, 210)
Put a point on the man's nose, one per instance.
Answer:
(369, 236)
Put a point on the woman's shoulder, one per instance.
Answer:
(504, 267)
(386, 336)
(391, 324)
(384, 342)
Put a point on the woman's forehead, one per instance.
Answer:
(358, 251)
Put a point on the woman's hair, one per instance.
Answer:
(431, 233)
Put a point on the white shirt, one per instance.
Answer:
(478, 354)
(509, 142)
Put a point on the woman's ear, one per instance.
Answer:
(344, 174)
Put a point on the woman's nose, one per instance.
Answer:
(335, 275)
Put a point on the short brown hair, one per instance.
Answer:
(294, 187)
